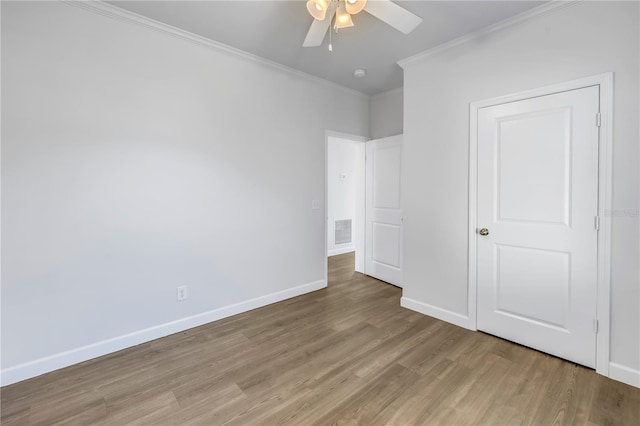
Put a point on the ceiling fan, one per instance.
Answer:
(323, 12)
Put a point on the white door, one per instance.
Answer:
(538, 200)
(383, 217)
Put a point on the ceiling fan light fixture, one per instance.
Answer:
(317, 9)
(343, 19)
(355, 6)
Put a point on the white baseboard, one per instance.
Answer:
(64, 359)
(439, 313)
(624, 374)
(338, 251)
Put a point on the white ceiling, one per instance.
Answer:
(275, 29)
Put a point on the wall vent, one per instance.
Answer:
(343, 231)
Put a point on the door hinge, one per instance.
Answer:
(598, 120)
(595, 326)
(596, 222)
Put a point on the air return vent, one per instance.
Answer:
(343, 231)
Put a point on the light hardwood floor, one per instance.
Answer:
(345, 354)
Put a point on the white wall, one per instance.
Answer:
(573, 42)
(345, 188)
(134, 162)
(386, 114)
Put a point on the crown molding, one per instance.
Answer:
(122, 15)
(551, 6)
(383, 95)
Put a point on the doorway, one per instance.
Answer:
(345, 183)
(363, 203)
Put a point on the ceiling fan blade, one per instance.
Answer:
(319, 28)
(398, 17)
(316, 33)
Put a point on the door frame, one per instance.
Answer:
(359, 247)
(605, 172)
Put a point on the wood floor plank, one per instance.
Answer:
(69, 408)
(347, 354)
(16, 417)
(145, 407)
(363, 406)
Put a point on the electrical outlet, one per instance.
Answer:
(182, 293)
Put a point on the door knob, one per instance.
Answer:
(484, 231)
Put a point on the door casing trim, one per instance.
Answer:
(605, 172)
